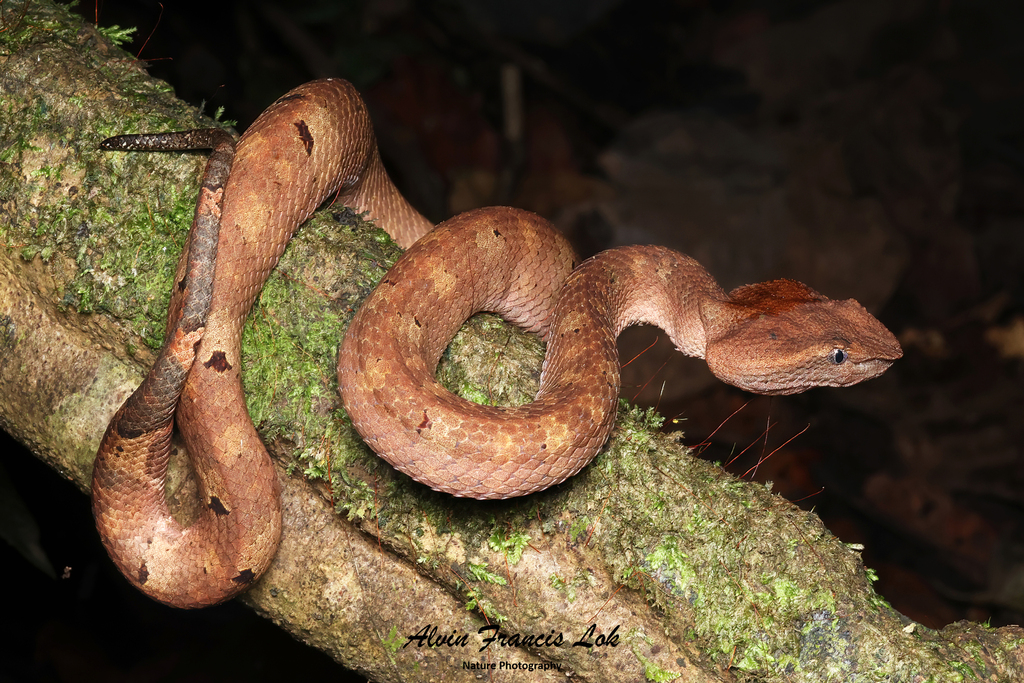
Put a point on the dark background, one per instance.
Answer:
(924, 469)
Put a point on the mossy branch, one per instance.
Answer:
(667, 567)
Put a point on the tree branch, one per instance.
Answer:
(684, 572)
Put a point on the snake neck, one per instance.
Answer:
(615, 290)
(643, 285)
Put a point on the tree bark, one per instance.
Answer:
(658, 564)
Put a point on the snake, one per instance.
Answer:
(315, 143)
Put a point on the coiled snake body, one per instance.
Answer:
(779, 337)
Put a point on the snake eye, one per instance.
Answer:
(837, 356)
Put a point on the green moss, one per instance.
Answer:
(579, 527)
(393, 643)
(118, 220)
(509, 356)
(117, 35)
(479, 572)
(672, 564)
(478, 600)
(580, 582)
(510, 544)
(653, 672)
(21, 29)
(563, 586)
(289, 353)
(965, 672)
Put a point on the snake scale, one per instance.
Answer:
(317, 141)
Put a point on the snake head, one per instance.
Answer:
(782, 337)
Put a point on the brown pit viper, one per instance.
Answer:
(778, 337)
